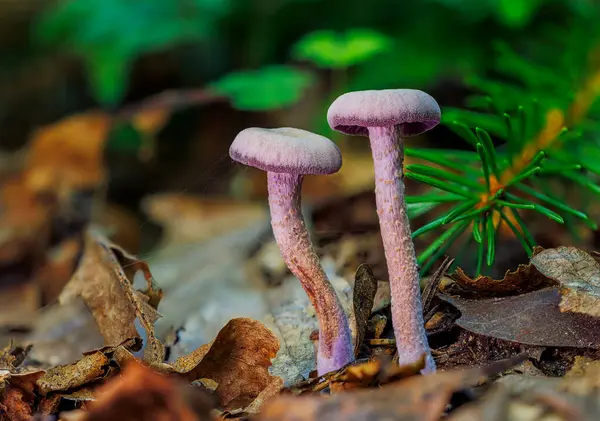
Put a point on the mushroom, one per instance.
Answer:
(287, 155)
(386, 117)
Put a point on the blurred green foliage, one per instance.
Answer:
(268, 88)
(408, 43)
(109, 34)
(331, 50)
(531, 65)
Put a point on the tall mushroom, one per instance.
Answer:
(287, 155)
(386, 117)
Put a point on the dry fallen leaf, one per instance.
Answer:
(578, 274)
(238, 360)
(68, 155)
(525, 279)
(365, 288)
(140, 393)
(575, 397)
(188, 218)
(101, 281)
(417, 398)
(90, 368)
(533, 319)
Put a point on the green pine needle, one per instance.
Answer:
(451, 188)
(491, 241)
(445, 175)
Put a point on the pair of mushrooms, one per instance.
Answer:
(287, 155)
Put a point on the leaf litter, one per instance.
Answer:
(222, 342)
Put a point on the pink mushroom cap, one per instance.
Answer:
(413, 111)
(286, 150)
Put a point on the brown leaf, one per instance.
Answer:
(68, 155)
(143, 394)
(417, 398)
(365, 288)
(101, 282)
(523, 280)
(576, 397)
(188, 218)
(238, 360)
(533, 319)
(90, 368)
(16, 405)
(578, 273)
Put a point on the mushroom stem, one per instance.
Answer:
(407, 309)
(335, 340)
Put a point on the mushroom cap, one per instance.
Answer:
(286, 150)
(413, 111)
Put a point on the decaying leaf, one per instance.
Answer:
(100, 280)
(238, 360)
(524, 279)
(186, 218)
(533, 319)
(143, 394)
(90, 368)
(365, 288)
(417, 398)
(576, 397)
(578, 274)
(68, 155)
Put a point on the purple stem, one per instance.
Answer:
(335, 341)
(407, 310)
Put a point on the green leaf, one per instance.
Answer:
(460, 211)
(329, 49)
(549, 213)
(415, 210)
(425, 198)
(463, 131)
(514, 205)
(441, 185)
(485, 167)
(518, 234)
(491, 241)
(523, 227)
(440, 220)
(441, 157)
(479, 223)
(477, 234)
(489, 149)
(445, 175)
(440, 245)
(268, 88)
(554, 202)
(110, 34)
(523, 176)
(108, 77)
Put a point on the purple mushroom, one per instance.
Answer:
(386, 117)
(287, 155)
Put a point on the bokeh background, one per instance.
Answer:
(107, 103)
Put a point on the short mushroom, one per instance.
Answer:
(386, 117)
(287, 155)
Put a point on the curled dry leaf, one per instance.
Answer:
(525, 278)
(101, 281)
(365, 288)
(417, 398)
(238, 360)
(143, 394)
(88, 369)
(578, 274)
(533, 319)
